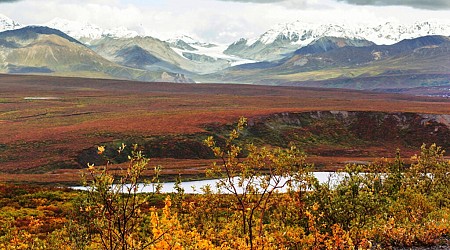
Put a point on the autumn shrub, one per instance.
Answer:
(268, 199)
(254, 182)
(388, 203)
(362, 209)
(112, 211)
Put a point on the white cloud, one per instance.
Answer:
(420, 4)
(212, 20)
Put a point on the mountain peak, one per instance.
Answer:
(302, 33)
(285, 38)
(186, 38)
(189, 41)
(31, 32)
(7, 23)
(87, 31)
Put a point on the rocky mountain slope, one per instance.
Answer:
(325, 44)
(423, 61)
(153, 54)
(176, 55)
(43, 50)
(201, 52)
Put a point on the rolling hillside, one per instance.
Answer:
(52, 126)
(152, 54)
(423, 61)
(43, 50)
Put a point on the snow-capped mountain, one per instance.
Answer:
(87, 32)
(7, 23)
(284, 38)
(190, 41)
(197, 50)
(387, 33)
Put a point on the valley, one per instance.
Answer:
(51, 126)
(379, 56)
(224, 124)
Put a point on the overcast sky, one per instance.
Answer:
(220, 20)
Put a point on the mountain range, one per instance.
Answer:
(339, 63)
(361, 56)
(283, 39)
(87, 32)
(38, 49)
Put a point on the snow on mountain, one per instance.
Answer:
(86, 31)
(216, 52)
(189, 40)
(388, 33)
(285, 38)
(183, 44)
(7, 23)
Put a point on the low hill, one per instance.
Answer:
(325, 44)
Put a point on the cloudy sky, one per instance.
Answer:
(221, 20)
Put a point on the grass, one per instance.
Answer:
(94, 112)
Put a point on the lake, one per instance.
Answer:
(194, 187)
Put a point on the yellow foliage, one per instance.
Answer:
(168, 232)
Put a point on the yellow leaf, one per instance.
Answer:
(90, 166)
(100, 149)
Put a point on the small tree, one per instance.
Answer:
(429, 175)
(253, 181)
(113, 206)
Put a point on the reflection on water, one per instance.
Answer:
(194, 187)
(41, 98)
